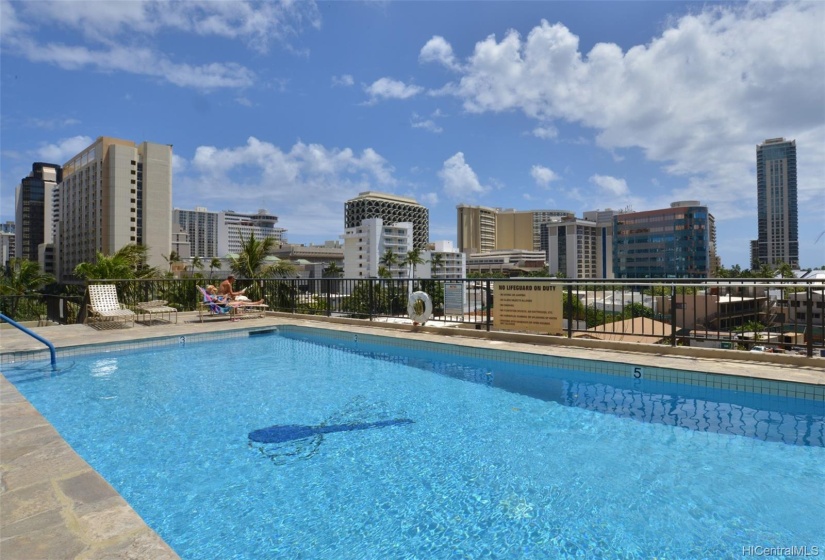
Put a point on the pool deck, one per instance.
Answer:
(54, 506)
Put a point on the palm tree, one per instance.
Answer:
(785, 270)
(129, 262)
(413, 259)
(213, 264)
(173, 258)
(252, 262)
(22, 277)
(754, 327)
(332, 270)
(766, 271)
(437, 262)
(389, 259)
(197, 263)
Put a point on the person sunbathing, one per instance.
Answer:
(227, 290)
(226, 300)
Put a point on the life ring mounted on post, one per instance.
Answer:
(420, 308)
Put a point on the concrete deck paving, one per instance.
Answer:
(54, 506)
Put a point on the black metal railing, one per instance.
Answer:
(783, 315)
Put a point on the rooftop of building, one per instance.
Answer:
(384, 196)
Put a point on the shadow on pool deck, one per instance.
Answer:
(54, 506)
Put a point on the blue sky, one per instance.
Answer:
(297, 107)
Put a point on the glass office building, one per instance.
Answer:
(675, 242)
(33, 209)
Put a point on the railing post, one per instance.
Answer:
(329, 298)
(293, 292)
(489, 302)
(569, 310)
(371, 285)
(809, 321)
(673, 315)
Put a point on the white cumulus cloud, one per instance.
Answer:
(306, 186)
(119, 36)
(439, 50)
(255, 23)
(611, 185)
(64, 149)
(543, 176)
(697, 98)
(344, 80)
(545, 132)
(387, 88)
(426, 124)
(459, 179)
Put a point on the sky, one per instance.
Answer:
(296, 107)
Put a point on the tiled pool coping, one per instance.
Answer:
(635, 368)
(45, 507)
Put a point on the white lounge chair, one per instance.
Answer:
(155, 307)
(104, 306)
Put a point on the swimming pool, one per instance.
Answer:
(295, 445)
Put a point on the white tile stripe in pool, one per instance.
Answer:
(711, 380)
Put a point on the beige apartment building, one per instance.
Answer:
(476, 229)
(713, 311)
(114, 193)
(482, 229)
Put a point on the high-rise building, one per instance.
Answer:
(604, 241)
(778, 233)
(754, 254)
(572, 248)
(476, 229)
(392, 210)
(34, 217)
(234, 228)
(366, 244)
(675, 242)
(7, 247)
(115, 193)
(217, 234)
(201, 227)
(482, 229)
(580, 248)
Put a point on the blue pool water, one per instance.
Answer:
(279, 447)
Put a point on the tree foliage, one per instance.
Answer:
(413, 259)
(332, 270)
(437, 262)
(22, 277)
(252, 261)
(388, 260)
(127, 263)
(371, 297)
(634, 310)
(213, 264)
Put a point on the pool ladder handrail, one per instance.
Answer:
(14, 323)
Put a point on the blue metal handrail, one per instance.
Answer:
(14, 323)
